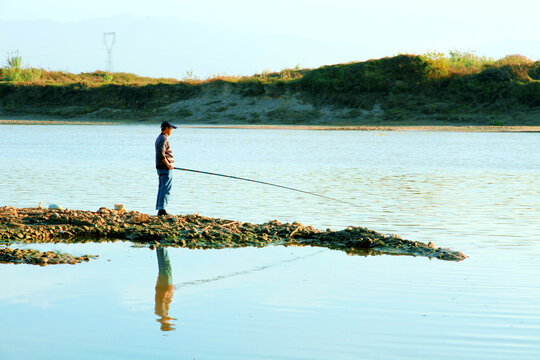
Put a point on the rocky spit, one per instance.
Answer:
(38, 225)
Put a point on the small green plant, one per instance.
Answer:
(108, 77)
(190, 76)
(14, 60)
(13, 70)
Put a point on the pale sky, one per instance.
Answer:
(239, 37)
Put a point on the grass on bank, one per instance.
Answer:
(404, 85)
(33, 76)
(466, 63)
(14, 73)
(436, 66)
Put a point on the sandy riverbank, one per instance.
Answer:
(377, 128)
(389, 127)
(55, 122)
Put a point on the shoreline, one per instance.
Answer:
(56, 122)
(478, 128)
(380, 127)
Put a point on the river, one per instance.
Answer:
(473, 192)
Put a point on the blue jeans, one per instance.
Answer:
(164, 188)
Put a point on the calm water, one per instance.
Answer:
(474, 192)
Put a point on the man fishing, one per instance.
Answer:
(164, 166)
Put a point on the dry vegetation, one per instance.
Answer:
(459, 87)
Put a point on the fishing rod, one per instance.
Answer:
(266, 183)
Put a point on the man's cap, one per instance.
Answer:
(167, 124)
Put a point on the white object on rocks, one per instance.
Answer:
(56, 206)
(119, 207)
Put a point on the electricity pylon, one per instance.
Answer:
(109, 40)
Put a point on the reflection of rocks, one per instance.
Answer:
(362, 241)
(35, 257)
(195, 231)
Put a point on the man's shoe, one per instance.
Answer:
(162, 212)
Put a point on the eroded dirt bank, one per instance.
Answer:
(38, 225)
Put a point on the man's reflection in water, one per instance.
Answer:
(164, 290)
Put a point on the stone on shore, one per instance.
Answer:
(37, 225)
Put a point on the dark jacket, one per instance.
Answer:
(163, 151)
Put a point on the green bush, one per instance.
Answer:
(456, 64)
(515, 59)
(14, 72)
